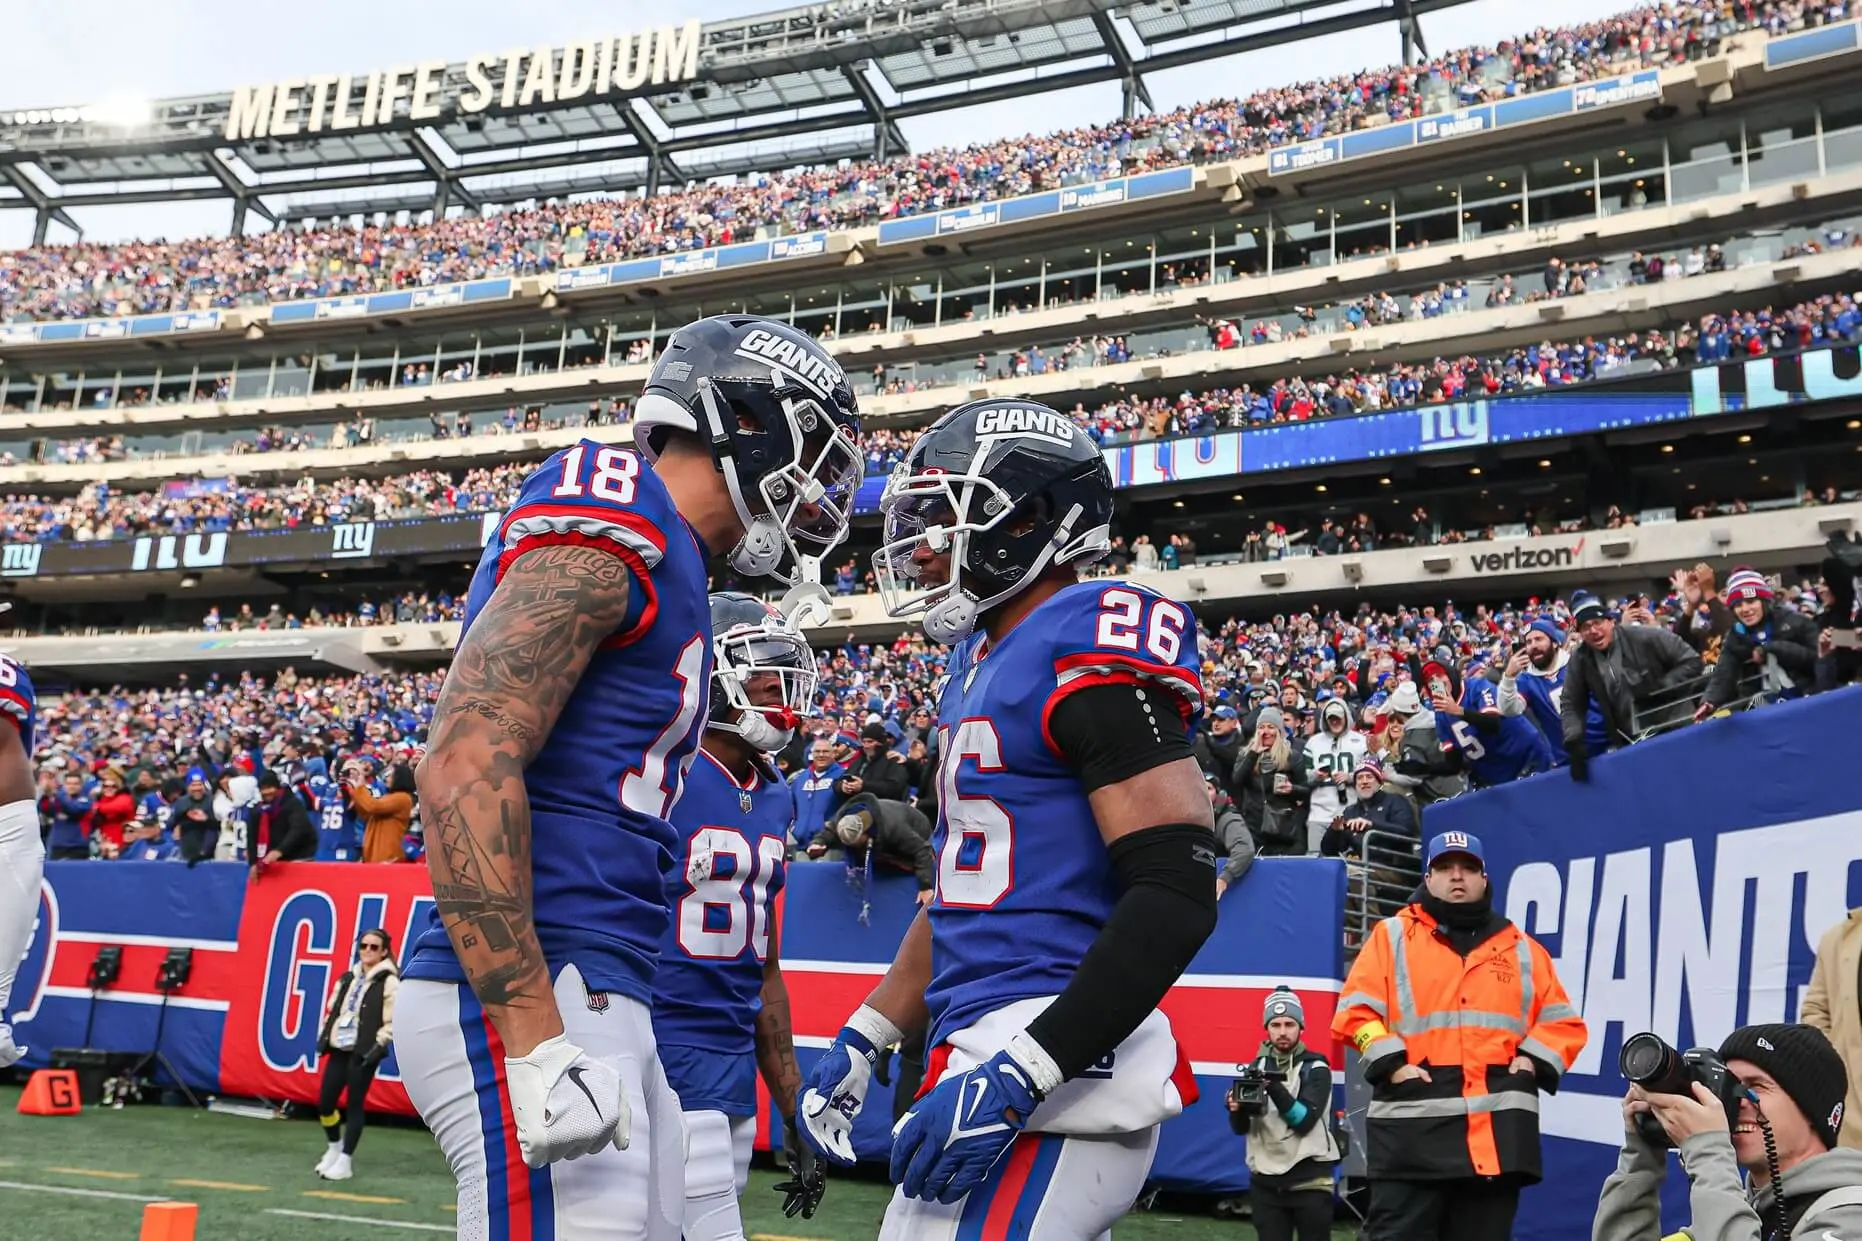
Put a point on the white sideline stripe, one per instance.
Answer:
(1257, 982)
(148, 941)
(129, 997)
(83, 1193)
(361, 1219)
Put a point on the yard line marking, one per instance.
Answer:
(339, 1196)
(361, 1219)
(228, 1185)
(83, 1193)
(99, 1173)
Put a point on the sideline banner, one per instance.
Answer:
(1683, 890)
(267, 955)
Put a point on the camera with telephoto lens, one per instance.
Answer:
(1649, 1062)
(1249, 1093)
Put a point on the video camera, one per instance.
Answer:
(1649, 1062)
(1249, 1093)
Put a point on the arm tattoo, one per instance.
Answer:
(510, 678)
(775, 1045)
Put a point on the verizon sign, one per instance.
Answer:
(1526, 557)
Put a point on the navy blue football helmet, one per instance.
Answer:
(749, 639)
(782, 423)
(1011, 489)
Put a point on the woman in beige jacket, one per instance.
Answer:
(388, 815)
(1833, 1004)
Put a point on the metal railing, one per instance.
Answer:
(1379, 881)
(1671, 708)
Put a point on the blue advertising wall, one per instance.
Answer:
(1683, 890)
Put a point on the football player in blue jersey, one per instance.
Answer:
(558, 748)
(22, 852)
(720, 1006)
(1075, 852)
(1496, 746)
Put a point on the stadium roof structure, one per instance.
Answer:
(802, 86)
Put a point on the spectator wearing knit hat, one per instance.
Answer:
(1799, 1182)
(1770, 650)
(1618, 669)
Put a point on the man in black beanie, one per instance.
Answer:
(1795, 1086)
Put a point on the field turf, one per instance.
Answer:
(87, 1178)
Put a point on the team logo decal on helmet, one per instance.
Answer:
(750, 641)
(1009, 490)
(781, 421)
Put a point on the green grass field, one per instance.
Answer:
(87, 1178)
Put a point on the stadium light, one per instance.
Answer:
(121, 111)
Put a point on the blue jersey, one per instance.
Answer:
(1543, 695)
(733, 839)
(604, 782)
(19, 704)
(1516, 749)
(1024, 883)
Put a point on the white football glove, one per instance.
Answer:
(10, 1052)
(567, 1103)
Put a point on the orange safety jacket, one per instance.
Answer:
(1412, 998)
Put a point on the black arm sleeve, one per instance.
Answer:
(1168, 909)
(1109, 733)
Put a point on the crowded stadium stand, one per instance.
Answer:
(1386, 369)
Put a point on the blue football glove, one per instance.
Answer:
(946, 1144)
(838, 1083)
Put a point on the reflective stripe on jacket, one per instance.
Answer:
(1412, 998)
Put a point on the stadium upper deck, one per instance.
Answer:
(674, 103)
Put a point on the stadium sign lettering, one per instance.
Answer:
(1454, 125)
(520, 78)
(352, 540)
(197, 551)
(1621, 91)
(1515, 559)
(20, 559)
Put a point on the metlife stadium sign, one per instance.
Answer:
(591, 69)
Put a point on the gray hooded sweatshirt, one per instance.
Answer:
(1630, 1208)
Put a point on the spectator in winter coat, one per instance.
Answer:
(1372, 808)
(145, 841)
(1616, 669)
(1769, 650)
(192, 820)
(1219, 745)
(70, 812)
(387, 814)
(1331, 755)
(112, 808)
(874, 770)
(278, 827)
(896, 833)
(1425, 768)
(1271, 781)
(816, 794)
(1232, 830)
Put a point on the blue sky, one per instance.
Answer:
(78, 53)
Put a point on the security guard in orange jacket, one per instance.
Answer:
(1461, 1023)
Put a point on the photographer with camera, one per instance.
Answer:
(1462, 1024)
(1282, 1103)
(1769, 1101)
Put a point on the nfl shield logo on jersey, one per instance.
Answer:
(597, 1001)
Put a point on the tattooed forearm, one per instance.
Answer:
(516, 668)
(775, 1045)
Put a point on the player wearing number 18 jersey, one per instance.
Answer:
(22, 853)
(1075, 857)
(721, 1008)
(559, 746)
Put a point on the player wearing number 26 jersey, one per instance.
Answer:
(1075, 859)
(559, 747)
(721, 1008)
(22, 854)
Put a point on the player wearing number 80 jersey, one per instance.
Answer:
(559, 746)
(721, 1009)
(1075, 858)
